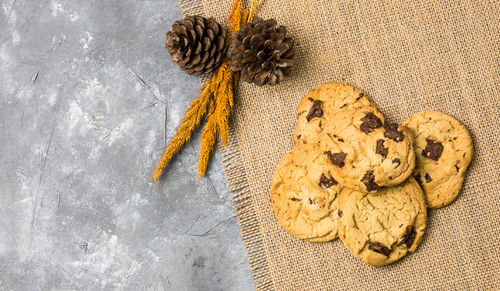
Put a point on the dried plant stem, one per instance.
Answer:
(253, 9)
(208, 139)
(192, 119)
(224, 106)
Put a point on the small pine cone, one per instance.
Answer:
(196, 44)
(262, 52)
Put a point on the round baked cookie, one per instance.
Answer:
(364, 154)
(443, 151)
(303, 195)
(322, 101)
(380, 228)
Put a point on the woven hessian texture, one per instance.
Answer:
(408, 56)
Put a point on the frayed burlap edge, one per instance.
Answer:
(238, 184)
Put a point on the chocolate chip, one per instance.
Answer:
(319, 124)
(339, 212)
(341, 140)
(408, 237)
(337, 158)
(298, 136)
(433, 149)
(370, 122)
(396, 161)
(419, 179)
(343, 106)
(368, 180)
(456, 167)
(360, 96)
(310, 99)
(391, 131)
(295, 199)
(379, 248)
(428, 178)
(326, 182)
(380, 149)
(315, 110)
(312, 201)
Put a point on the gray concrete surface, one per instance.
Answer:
(78, 145)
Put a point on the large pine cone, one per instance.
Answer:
(196, 44)
(262, 52)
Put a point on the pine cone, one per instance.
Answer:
(196, 44)
(262, 52)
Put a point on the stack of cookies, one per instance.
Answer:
(353, 176)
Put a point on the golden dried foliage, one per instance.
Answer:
(192, 119)
(214, 103)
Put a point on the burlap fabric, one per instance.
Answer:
(408, 56)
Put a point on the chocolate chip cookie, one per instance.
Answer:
(382, 227)
(303, 195)
(364, 153)
(443, 151)
(323, 101)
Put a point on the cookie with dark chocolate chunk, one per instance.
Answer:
(443, 151)
(363, 154)
(381, 228)
(304, 195)
(325, 100)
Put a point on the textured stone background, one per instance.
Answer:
(79, 143)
